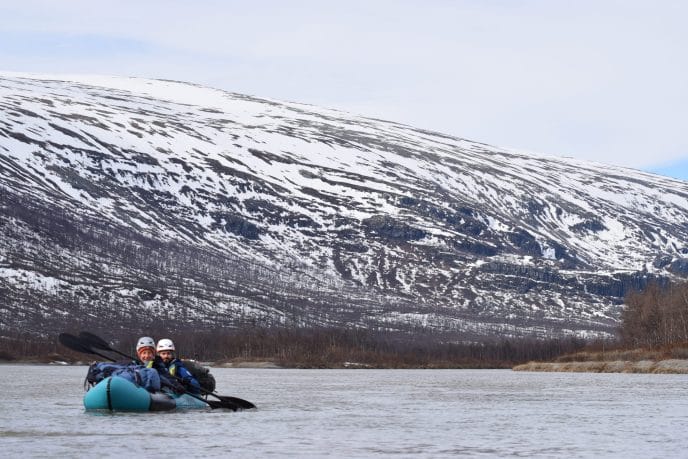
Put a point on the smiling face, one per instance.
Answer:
(146, 354)
(166, 356)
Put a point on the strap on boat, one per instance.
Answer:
(107, 391)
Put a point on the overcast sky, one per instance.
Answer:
(597, 80)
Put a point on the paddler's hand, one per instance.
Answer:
(178, 388)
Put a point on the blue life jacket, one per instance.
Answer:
(177, 369)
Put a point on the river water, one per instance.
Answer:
(360, 414)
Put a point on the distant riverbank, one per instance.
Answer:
(668, 361)
(58, 359)
(246, 364)
(672, 360)
(670, 366)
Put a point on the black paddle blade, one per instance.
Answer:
(225, 405)
(77, 344)
(241, 403)
(95, 341)
(73, 343)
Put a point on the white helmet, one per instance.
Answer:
(165, 345)
(145, 341)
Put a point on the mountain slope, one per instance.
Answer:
(136, 201)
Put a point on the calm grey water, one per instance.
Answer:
(361, 413)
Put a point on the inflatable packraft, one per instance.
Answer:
(116, 393)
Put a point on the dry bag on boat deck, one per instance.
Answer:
(147, 378)
(201, 373)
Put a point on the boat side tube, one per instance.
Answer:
(118, 394)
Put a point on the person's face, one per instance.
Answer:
(166, 356)
(146, 354)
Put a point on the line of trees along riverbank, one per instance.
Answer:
(654, 319)
(328, 348)
(315, 348)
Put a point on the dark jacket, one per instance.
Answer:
(178, 371)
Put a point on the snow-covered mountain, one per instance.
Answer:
(126, 202)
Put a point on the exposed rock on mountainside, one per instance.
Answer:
(126, 201)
